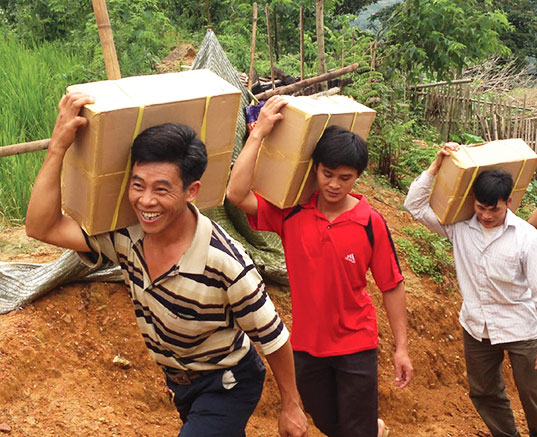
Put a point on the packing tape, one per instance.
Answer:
(203, 133)
(127, 170)
(468, 188)
(515, 185)
(310, 164)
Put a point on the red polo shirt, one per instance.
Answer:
(327, 264)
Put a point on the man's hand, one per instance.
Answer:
(268, 116)
(403, 369)
(442, 153)
(68, 120)
(292, 422)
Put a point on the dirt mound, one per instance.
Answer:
(58, 376)
(183, 54)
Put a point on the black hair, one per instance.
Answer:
(338, 146)
(492, 186)
(173, 143)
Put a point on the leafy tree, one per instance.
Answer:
(522, 37)
(439, 38)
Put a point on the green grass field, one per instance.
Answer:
(33, 80)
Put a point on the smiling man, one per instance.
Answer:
(195, 291)
(495, 253)
(330, 243)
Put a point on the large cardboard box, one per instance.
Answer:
(452, 198)
(96, 166)
(283, 173)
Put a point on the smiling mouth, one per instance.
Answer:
(150, 215)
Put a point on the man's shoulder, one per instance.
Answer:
(224, 250)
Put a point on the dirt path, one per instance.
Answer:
(58, 378)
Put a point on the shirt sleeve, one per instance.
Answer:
(417, 204)
(268, 218)
(254, 311)
(102, 250)
(384, 263)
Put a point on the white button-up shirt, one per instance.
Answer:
(497, 277)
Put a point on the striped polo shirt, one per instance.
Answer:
(201, 313)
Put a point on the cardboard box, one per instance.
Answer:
(95, 167)
(452, 198)
(283, 173)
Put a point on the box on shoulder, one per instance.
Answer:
(96, 169)
(283, 173)
(452, 198)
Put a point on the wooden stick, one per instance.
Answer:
(17, 149)
(107, 40)
(267, 12)
(289, 89)
(252, 48)
(343, 47)
(319, 20)
(301, 42)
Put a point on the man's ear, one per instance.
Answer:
(192, 191)
(509, 202)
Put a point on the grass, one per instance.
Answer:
(33, 80)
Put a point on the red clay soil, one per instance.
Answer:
(58, 377)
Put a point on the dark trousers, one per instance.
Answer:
(487, 385)
(214, 406)
(340, 393)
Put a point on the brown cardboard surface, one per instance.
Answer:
(283, 160)
(99, 156)
(452, 198)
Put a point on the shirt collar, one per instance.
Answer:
(359, 214)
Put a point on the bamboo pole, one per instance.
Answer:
(307, 82)
(18, 149)
(343, 47)
(252, 48)
(267, 13)
(107, 40)
(319, 23)
(301, 42)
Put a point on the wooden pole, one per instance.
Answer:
(319, 20)
(267, 13)
(18, 149)
(107, 40)
(301, 42)
(343, 47)
(252, 48)
(307, 82)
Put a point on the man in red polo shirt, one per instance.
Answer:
(330, 242)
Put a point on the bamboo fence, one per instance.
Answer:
(455, 108)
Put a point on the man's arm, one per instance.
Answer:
(239, 190)
(292, 421)
(417, 199)
(394, 302)
(533, 218)
(44, 219)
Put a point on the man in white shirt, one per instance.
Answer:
(495, 258)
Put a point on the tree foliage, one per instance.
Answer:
(522, 37)
(439, 38)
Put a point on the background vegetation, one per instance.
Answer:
(49, 44)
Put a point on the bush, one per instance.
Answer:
(428, 254)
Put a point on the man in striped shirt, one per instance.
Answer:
(494, 254)
(197, 297)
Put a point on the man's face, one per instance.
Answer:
(335, 184)
(157, 196)
(491, 216)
